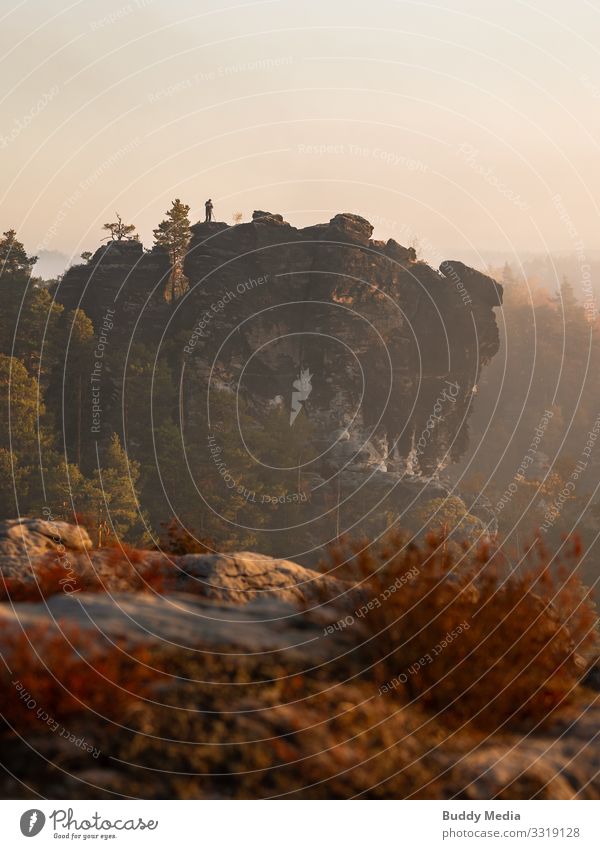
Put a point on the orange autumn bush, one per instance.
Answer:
(49, 576)
(466, 634)
(137, 572)
(68, 672)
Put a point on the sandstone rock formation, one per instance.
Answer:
(182, 620)
(383, 335)
(315, 742)
(24, 541)
(380, 351)
(241, 577)
(235, 578)
(385, 338)
(258, 695)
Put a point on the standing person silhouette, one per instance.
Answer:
(208, 206)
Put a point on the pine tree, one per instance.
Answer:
(28, 315)
(28, 323)
(75, 369)
(569, 307)
(117, 479)
(65, 489)
(118, 231)
(13, 484)
(508, 276)
(24, 437)
(173, 234)
(14, 263)
(149, 399)
(20, 407)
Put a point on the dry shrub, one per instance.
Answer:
(51, 574)
(68, 673)
(135, 571)
(465, 634)
(124, 568)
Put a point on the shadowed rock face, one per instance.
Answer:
(392, 350)
(120, 275)
(387, 341)
(381, 352)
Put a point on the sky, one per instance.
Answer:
(471, 125)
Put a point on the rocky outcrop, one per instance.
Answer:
(235, 578)
(380, 352)
(384, 336)
(242, 577)
(474, 283)
(24, 541)
(564, 764)
(256, 690)
(390, 351)
(122, 277)
(255, 684)
(181, 619)
(388, 341)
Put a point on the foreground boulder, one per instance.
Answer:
(30, 547)
(179, 621)
(235, 676)
(243, 576)
(561, 763)
(24, 540)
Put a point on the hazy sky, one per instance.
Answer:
(470, 123)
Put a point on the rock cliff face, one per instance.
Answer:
(121, 276)
(377, 350)
(387, 341)
(381, 351)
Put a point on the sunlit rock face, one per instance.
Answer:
(391, 349)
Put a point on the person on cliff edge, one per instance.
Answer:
(208, 206)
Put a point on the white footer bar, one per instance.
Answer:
(301, 824)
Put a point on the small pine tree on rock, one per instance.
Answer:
(173, 234)
(119, 231)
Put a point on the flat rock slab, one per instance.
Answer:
(182, 621)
